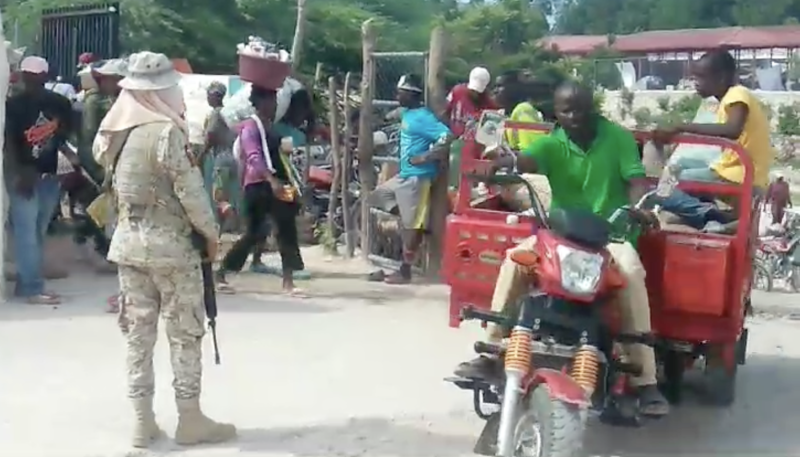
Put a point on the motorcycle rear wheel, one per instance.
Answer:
(549, 427)
(794, 278)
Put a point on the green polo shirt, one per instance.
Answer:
(596, 179)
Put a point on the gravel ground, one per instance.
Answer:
(345, 373)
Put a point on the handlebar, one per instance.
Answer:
(625, 209)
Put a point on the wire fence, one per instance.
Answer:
(389, 67)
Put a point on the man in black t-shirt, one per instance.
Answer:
(38, 122)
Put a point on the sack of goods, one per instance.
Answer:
(263, 64)
(238, 107)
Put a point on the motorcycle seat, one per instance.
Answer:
(580, 226)
(320, 175)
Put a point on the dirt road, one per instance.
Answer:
(333, 377)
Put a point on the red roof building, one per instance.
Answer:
(687, 40)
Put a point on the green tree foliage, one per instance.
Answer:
(628, 16)
(500, 34)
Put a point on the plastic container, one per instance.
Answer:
(263, 72)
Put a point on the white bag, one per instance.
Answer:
(238, 107)
(706, 114)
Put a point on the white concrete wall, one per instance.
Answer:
(649, 99)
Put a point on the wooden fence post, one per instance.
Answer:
(317, 74)
(333, 116)
(366, 171)
(440, 203)
(346, 166)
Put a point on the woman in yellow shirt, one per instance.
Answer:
(740, 118)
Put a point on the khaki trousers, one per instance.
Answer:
(518, 197)
(512, 284)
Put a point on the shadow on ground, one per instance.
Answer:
(761, 422)
(85, 295)
(370, 436)
(357, 437)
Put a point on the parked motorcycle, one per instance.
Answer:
(320, 181)
(777, 255)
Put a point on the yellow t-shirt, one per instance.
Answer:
(520, 139)
(754, 139)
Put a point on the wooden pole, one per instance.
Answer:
(365, 125)
(299, 34)
(346, 166)
(440, 203)
(333, 116)
(317, 74)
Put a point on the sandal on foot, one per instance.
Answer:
(44, 299)
(376, 276)
(259, 268)
(651, 402)
(296, 293)
(225, 288)
(397, 278)
(482, 367)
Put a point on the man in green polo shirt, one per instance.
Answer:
(592, 164)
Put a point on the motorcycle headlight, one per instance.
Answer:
(580, 270)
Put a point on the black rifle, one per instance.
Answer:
(209, 290)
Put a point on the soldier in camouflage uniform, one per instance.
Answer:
(97, 100)
(96, 103)
(142, 144)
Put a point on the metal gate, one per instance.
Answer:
(68, 32)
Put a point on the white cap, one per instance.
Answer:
(34, 64)
(479, 79)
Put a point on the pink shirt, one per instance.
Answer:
(251, 153)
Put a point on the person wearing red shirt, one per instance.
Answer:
(779, 197)
(466, 101)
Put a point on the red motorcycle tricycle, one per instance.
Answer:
(560, 360)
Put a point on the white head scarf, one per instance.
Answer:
(139, 107)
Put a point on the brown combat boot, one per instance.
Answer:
(146, 429)
(195, 428)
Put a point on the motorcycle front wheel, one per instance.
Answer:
(549, 427)
(762, 277)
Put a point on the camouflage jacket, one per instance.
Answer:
(93, 110)
(160, 199)
(95, 107)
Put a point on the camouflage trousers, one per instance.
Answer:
(176, 294)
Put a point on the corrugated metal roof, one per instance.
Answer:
(787, 36)
(574, 44)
